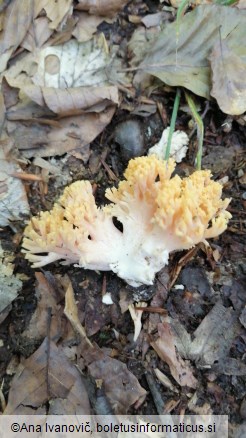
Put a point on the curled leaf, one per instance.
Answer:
(228, 78)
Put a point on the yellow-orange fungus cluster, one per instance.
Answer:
(159, 214)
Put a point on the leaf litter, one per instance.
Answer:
(185, 49)
(63, 83)
(48, 376)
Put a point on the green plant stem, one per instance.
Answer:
(180, 11)
(173, 122)
(200, 129)
(226, 2)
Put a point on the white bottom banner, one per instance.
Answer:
(122, 426)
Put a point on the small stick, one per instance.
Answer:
(152, 309)
(26, 176)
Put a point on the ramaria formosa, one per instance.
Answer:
(159, 214)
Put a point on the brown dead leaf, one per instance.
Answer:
(159, 299)
(2, 111)
(243, 317)
(37, 140)
(73, 101)
(57, 12)
(212, 339)
(10, 284)
(10, 94)
(71, 312)
(65, 34)
(165, 348)
(228, 78)
(241, 4)
(121, 386)
(13, 200)
(106, 8)
(214, 336)
(195, 279)
(235, 289)
(152, 20)
(47, 304)
(86, 26)
(230, 367)
(20, 72)
(37, 35)
(46, 376)
(17, 20)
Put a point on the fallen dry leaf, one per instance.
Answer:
(214, 336)
(71, 312)
(179, 56)
(73, 101)
(37, 140)
(57, 12)
(106, 8)
(73, 64)
(212, 339)
(10, 95)
(235, 289)
(21, 71)
(152, 20)
(86, 26)
(97, 314)
(165, 380)
(47, 316)
(241, 4)
(13, 200)
(228, 79)
(2, 111)
(242, 317)
(10, 285)
(230, 367)
(195, 279)
(44, 377)
(165, 348)
(17, 20)
(38, 33)
(120, 385)
(136, 313)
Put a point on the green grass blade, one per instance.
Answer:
(173, 122)
(200, 129)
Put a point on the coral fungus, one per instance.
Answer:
(159, 214)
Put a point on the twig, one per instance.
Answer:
(111, 174)
(152, 310)
(26, 176)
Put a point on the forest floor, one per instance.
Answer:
(189, 357)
